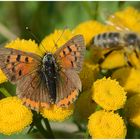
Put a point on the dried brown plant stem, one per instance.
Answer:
(4, 31)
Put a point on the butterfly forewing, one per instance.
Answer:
(71, 54)
(17, 64)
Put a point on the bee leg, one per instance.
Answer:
(127, 60)
(137, 53)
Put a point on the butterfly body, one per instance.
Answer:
(51, 79)
(50, 72)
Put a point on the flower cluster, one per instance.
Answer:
(109, 86)
(118, 92)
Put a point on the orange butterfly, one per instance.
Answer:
(52, 79)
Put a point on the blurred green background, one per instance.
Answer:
(44, 17)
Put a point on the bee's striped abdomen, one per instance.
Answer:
(106, 40)
(116, 39)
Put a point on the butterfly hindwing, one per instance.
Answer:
(71, 54)
(68, 87)
(33, 91)
(17, 64)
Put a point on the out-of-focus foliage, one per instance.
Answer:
(44, 17)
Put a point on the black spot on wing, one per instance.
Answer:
(26, 59)
(20, 73)
(18, 57)
(69, 48)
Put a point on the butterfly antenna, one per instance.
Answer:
(55, 42)
(34, 36)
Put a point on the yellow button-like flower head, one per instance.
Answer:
(24, 45)
(55, 113)
(3, 78)
(104, 124)
(129, 78)
(108, 94)
(115, 56)
(14, 117)
(127, 19)
(55, 40)
(89, 29)
(132, 110)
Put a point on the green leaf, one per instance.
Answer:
(5, 92)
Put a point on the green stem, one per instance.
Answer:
(37, 122)
(79, 126)
(41, 129)
(49, 128)
(130, 132)
(86, 134)
(98, 108)
(5, 92)
(30, 129)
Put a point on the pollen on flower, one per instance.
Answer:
(14, 117)
(55, 113)
(24, 45)
(89, 73)
(3, 78)
(115, 56)
(129, 79)
(132, 110)
(108, 94)
(55, 40)
(126, 19)
(89, 29)
(104, 124)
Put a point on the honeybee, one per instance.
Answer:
(124, 40)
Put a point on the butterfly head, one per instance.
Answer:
(48, 58)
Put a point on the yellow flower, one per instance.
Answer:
(84, 107)
(89, 29)
(3, 78)
(134, 60)
(24, 45)
(59, 38)
(132, 110)
(104, 124)
(55, 113)
(108, 94)
(129, 78)
(89, 73)
(126, 19)
(114, 60)
(14, 117)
